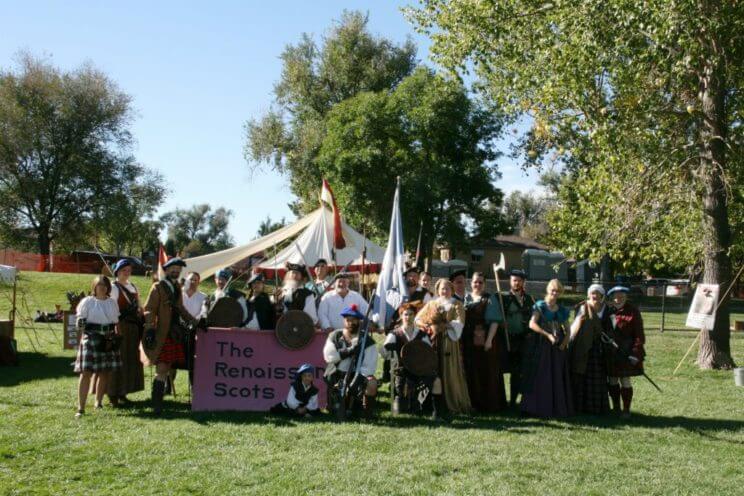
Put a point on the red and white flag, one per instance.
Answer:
(162, 258)
(326, 195)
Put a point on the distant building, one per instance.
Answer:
(482, 258)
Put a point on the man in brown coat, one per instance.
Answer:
(165, 321)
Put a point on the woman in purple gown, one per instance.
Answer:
(546, 382)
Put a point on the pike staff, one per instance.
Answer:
(501, 265)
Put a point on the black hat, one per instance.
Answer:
(320, 261)
(409, 270)
(258, 276)
(457, 273)
(175, 261)
(518, 273)
(298, 267)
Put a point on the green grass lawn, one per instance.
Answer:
(688, 440)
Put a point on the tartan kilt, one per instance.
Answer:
(172, 352)
(91, 360)
(590, 388)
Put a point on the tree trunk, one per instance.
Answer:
(45, 244)
(715, 347)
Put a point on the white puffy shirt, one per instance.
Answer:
(332, 304)
(193, 304)
(95, 311)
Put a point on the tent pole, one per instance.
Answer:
(364, 254)
(13, 307)
(276, 271)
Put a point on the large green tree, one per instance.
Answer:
(641, 101)
(125, 223)
(197, 230)
(348, 61)
(64, 149)
(431, 134)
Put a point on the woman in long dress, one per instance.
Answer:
(546, 384)
(130, 377)
(443, 319)
(481, 357)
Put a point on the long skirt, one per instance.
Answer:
(454, 384)
(590, 388)
(484, 377)
(89, 359)
(130, 377)
(548, 394)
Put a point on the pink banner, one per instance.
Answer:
(237, 369)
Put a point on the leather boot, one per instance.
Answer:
(439, 412)
(385, 372)
(369, 406)
(627, 395)
(614, 390)
(158, 390)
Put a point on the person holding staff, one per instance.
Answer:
(546, 390)
(518, 307)
(98, 353)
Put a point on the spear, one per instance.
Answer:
(501, 265)
(418, 244)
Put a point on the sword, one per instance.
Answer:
(607, 339)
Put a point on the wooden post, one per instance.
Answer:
(663, 306)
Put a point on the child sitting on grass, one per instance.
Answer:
(302, 398)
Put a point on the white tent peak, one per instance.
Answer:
(315, 240)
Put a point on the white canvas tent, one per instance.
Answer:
(314, 237)
(7, 274)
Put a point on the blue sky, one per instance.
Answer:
(196, 72)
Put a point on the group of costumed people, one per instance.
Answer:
(461, 344)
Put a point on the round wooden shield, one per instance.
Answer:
(226, 312)
(295, 330)
(419, 359)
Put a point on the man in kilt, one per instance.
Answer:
(166, 321)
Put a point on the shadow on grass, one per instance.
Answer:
(35, 367)
(508, 421)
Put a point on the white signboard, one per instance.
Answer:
(703, 308)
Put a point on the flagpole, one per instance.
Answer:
(364, 253)
(418, 244)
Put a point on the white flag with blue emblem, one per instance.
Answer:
(391, 286)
